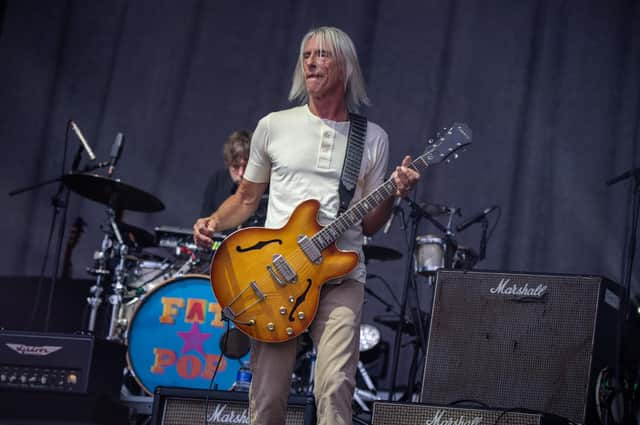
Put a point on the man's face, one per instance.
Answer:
(236, 169)
(321, 71)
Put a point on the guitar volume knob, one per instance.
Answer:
(301, 315)
(283, 310)
(271, 327)
(289, 331)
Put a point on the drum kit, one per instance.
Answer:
(158, 295)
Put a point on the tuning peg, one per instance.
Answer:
(430, 141)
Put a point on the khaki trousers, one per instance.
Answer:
(335, 333)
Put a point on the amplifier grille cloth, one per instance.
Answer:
(187, 411)
(408, 414)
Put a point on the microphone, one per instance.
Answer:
(116, 151)
(84, 142)
(394, 212)
(476, 218)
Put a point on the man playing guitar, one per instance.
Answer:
(299, 153)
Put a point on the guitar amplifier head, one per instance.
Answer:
(186, 406)
(393, 413)
(520, 340)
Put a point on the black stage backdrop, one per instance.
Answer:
(550, 88)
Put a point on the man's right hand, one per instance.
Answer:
(203, 232)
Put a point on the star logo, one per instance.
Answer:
(193, 339)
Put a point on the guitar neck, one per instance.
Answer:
(354, 215)
(446, 146)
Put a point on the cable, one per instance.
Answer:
(387, 285)
(213, 377)
(470, 401)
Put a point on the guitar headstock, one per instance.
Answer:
(448, 145)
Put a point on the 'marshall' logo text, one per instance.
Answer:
(221, 415)
(461, 420)
(504, 288)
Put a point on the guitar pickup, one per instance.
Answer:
(284, 268)
(310, 250)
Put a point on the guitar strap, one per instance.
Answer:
(352, 160)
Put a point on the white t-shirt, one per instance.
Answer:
(300, 155)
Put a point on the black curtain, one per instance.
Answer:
(550, 89)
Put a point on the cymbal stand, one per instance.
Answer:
(361, 396)
(417, 212)
(101, 272)
(117, 285)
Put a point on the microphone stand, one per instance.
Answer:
(483, 239)
(627, 271)
(417, 212)
(59, 203)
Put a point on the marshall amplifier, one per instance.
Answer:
(393, 413)
(185, 406)
(66, 363)
(527, 341)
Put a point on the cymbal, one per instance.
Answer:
(382, 253)
(136, 235)
(112, 192)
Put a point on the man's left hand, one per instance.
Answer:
(405, 177)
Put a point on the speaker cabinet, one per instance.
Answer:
(185, 406)
(393, 413)
(531, 341)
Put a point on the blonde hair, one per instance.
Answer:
(338, 43)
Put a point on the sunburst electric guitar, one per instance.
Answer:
(268, 281)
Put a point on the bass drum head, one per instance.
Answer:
(174, 337)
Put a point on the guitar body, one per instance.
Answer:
(249, 283)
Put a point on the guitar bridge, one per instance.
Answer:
(275, 276)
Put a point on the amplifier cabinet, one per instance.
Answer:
(520, 340)
(394, 413)
(186, 406)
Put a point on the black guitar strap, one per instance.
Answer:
(352, 159)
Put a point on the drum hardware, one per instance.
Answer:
(369, 340)
(101, 272)
(172, 237)
(119, 238)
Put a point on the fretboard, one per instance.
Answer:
(354, 215)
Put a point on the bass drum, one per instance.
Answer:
(174, 337)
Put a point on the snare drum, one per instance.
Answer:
(174, 337)
(430, 254)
